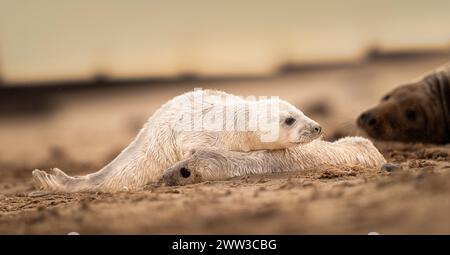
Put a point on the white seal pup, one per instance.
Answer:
(216, 164)
(191, 121)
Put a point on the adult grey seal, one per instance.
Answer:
(415, 112)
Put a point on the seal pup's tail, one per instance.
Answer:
(58, 181)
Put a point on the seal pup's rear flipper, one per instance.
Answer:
(58, 181)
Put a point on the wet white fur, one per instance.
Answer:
(216, 164)
(159, 145)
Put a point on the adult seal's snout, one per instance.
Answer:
(367, 119)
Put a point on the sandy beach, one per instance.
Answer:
(87, 129)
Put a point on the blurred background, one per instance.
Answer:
(81, 77)
(50, 39)
(78, 79)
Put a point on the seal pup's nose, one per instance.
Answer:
(184, 172)
(172, 175)
(367, 119)
(317, 129)
(178, 174)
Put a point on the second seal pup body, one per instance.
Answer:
(172, 132)
(215, 164)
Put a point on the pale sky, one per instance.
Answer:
(55, 39)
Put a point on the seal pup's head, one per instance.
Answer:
(198, 166)
(415, 112)
(296, 127)
(292, 127)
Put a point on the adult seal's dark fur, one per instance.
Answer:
(415, 112)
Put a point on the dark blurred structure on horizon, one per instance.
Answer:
(27, 98)
(100, 80)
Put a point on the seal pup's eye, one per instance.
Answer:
(386, 97)
(410, 114)
(185, 172)
(289, 121)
